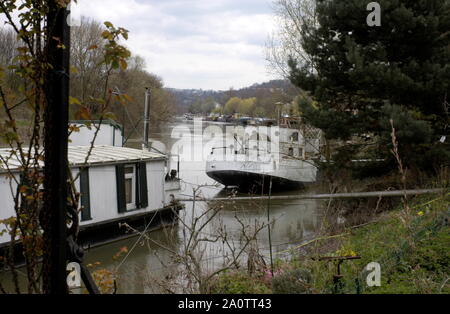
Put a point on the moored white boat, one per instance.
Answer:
(282, 156)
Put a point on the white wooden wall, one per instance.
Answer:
(103, 194)
(6, 204)
(108, 135)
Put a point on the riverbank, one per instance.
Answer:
(411, 245)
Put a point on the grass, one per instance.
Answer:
(412, 248)
(414, 255)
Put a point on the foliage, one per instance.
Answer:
(412, 252)
(105, 280)
(26, 66)
(292, 16)
(413, 260)
(206, 106)
(243, 106)
(91, 51)
(193, 269)
(413, 257)
(361, 77)
(295, 281)
(267, 95)
(232, 105)
(239, 282)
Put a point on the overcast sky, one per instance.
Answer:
(208, 44)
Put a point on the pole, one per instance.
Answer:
(146, 145)
(377, 194)
(268, 226)
(178, 167)
(55, 145)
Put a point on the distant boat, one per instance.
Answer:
(188, 117)
(250, 165)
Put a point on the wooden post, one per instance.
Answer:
(56, 145)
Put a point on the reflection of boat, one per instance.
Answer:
(283, 156)
(292, 221)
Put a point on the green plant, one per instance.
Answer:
(295, 281)
(239, 282)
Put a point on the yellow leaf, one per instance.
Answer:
(123, 64)
(108, 24)
(74, 128)
(107, 35)
(74, 101)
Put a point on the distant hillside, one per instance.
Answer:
(184, 98)
(276, 90)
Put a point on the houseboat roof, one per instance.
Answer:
(100, 155)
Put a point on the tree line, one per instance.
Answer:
(364, 86)
(90, 76)
(258, 100)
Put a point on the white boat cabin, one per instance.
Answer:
(114, 183)
(110, 133)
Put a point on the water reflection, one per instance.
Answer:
(136, 270)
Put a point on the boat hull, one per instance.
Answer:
(253, 182)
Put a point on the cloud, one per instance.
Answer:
(208, 44)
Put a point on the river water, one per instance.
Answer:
(150, 261)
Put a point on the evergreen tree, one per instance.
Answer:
(361, 77)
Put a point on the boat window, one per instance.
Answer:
(291, 151)
(85, 199)
(295, 137)
(130, 186)
(131, 182)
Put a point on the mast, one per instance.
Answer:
(145, 145)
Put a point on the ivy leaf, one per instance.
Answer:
(108, 24)
(110, 116)
(107, 35)
(74, 128)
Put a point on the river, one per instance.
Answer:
(150, 261)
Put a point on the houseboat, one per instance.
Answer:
(119, 186)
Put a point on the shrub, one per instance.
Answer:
(295, 281)
(238, 282)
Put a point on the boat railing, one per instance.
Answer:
(245, 150)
